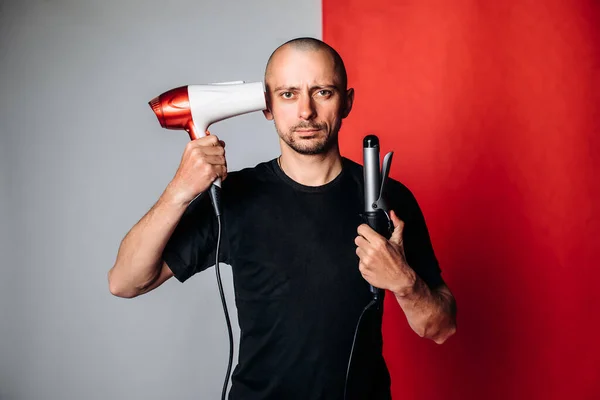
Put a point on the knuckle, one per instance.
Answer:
(199, 162)
(211, 175)
(206, 167)
(196, 152)
(189, 147)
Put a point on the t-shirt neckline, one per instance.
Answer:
(311, 189)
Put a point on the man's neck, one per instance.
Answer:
(311, 170)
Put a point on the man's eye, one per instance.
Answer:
(325, 93)
(287, 95)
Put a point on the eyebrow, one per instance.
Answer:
(296, 88)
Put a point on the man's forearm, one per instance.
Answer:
(430, 313)
(139, 258)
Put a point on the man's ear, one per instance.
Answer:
(349, 102)
(267, 112)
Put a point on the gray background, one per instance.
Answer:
(83, 158)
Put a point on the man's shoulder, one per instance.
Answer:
(353, 171)
(257, 169)
(351, 165)
(251, 174)
(397, 188)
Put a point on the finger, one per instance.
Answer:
(202, 144)
(368, 233)
(216, 160)
(213, 150)
(363, 268)
(374, 239)
(361, 253)
(209, 140)
(361, 242)
(215, 171)
(222, 172)
(213, 143)
(398, 228)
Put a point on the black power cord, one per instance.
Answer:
(371, 304)
(218, 271)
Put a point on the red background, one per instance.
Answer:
(493, 111)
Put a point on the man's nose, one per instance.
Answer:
(306, 107)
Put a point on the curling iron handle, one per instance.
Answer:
(379, 222)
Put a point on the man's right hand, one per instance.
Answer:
(139, 266)
(203, 161)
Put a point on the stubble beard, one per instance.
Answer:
(310, 146)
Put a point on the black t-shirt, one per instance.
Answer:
(298, 290)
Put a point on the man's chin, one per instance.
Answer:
(308, 142)
(310, 147)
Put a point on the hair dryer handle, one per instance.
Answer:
(215, 188)
(215, 197)
(190, 128)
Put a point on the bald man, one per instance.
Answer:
(302, 259)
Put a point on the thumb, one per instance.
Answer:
(398, 228)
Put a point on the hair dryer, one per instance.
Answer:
(194, 108)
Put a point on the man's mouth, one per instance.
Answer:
(308, 130)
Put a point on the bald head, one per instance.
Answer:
(311, 44)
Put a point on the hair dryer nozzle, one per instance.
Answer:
(172, 108)
(157, 108)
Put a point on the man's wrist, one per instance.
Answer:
(409, 286)
(173, 199)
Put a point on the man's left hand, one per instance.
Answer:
(383, 262)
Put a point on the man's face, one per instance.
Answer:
(306, 99)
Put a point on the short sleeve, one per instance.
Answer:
(192, 246)
(418, 248)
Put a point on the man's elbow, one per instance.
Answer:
(445, 334)
(438, 331)
(447, 321)
(118, 288)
